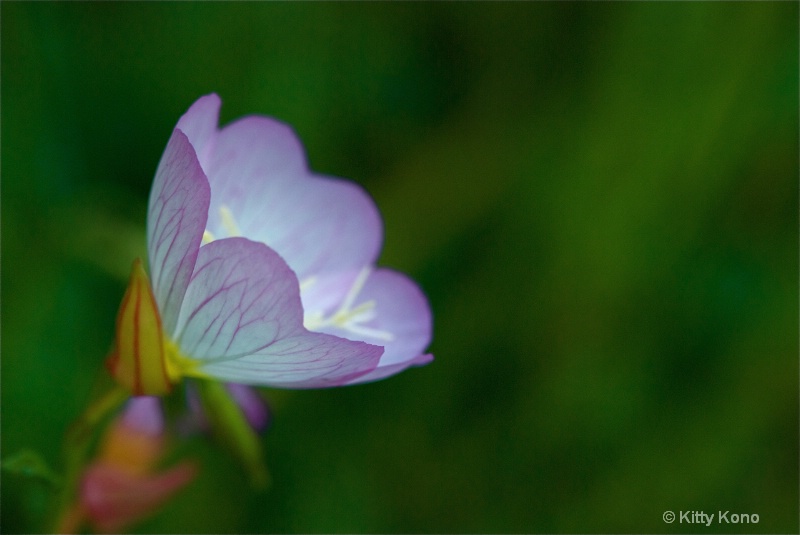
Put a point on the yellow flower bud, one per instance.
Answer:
(138, 361)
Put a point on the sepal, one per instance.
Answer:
(138, 360)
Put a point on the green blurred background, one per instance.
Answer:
(601, 201)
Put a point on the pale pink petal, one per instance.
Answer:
(402, 321)
(258, 174)
(243, 320)
(401, 310)
(241, 298)
(311, 360)
(199, 123)
(387, 370)
(176, 219)
(114, 499)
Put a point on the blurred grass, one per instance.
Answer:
(599, 199)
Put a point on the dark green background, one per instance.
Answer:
(599, 199)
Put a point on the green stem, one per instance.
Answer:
(230, 425)
(76, 449)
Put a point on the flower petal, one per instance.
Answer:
(401, 319)
(310, 360)
(258, 175)
(242, 320)
(199, 123)
(114, 498)
(383, 371)
(323, 294)
(176, 219)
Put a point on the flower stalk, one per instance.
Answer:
(77, 446)
(230, 426)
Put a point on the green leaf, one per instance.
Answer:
(28, 463)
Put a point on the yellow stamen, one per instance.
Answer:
(345, 317)
(307, 283)
(228, 221)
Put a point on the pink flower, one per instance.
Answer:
(262, 272)
(121, 486)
